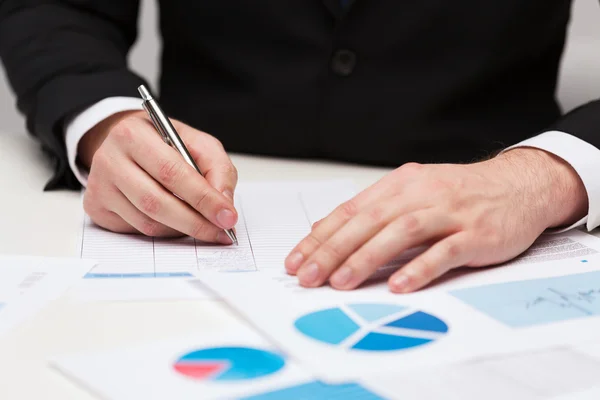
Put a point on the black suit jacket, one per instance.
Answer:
(383, 82)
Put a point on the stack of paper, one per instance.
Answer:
(505, 326)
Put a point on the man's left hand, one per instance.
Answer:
(469, 215)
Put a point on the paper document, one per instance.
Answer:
(273, 218)
(557, 247)
(345, 335)
(29, 283)
(549, 373)
(213, 365)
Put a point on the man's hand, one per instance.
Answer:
(137, 183)
(470, 215)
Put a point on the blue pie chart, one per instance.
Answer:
(228, 364)
(372, 327)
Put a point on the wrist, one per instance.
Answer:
(93, 139)
(553, 187)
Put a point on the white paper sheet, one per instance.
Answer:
(135, 268)
(550, 373)
(29, 283)
(273, 218)
(211, 365)
(275, 304)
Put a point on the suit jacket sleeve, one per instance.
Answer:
(583, 122)
(62, 56)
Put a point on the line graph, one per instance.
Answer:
(537, 301)
(568, 300)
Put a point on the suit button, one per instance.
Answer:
(343, 62)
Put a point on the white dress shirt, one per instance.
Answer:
(582, 156)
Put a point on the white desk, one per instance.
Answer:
(47, 224)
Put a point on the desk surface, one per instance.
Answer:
(47, 224)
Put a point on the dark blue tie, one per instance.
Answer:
(345, 3)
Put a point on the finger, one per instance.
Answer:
(405, 232)
(97, 194)
(212, 159)
(327, 226)
(159, 205)
(315, 224)
(169, 169)
(451, 252)
(349, 238)
(109, 220)
(121, 207)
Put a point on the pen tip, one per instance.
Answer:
(232, 236)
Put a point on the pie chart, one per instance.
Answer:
(372, 327)
(228, 364)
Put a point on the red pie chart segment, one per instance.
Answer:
(226, 364)
(200, 370)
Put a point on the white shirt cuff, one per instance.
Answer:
(585, 160)
(87, 119)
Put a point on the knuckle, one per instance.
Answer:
(200, 230)
(349, 209)
(332, 250)
(216, 142)
(150, 204)
(150, 227)
(438, 185)
(426, 270)
(452, 249)
(454, 205)
(411, 225)
(170, 172)
(91, 190)
(494, 238)
(410, 168)
(202, 199)
(231, 171)
(375, 214)
(101, 160)
(89, 205)
(313, 240)
(124, 130)
(366, 259)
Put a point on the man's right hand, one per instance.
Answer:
(137, 183)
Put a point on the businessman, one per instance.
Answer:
(459, 96)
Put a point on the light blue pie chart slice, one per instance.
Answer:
(373, 312)
(330, 326)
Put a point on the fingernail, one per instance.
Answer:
(228, 194)
(309, 274)
(399, 283)
(342, 276)
(223, 238)
(226, 219)
(294, 261)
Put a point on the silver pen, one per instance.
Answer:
(168, 133)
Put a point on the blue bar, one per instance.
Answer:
(134, 275)
(173, 275)
(93, 275)
(319, 391)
